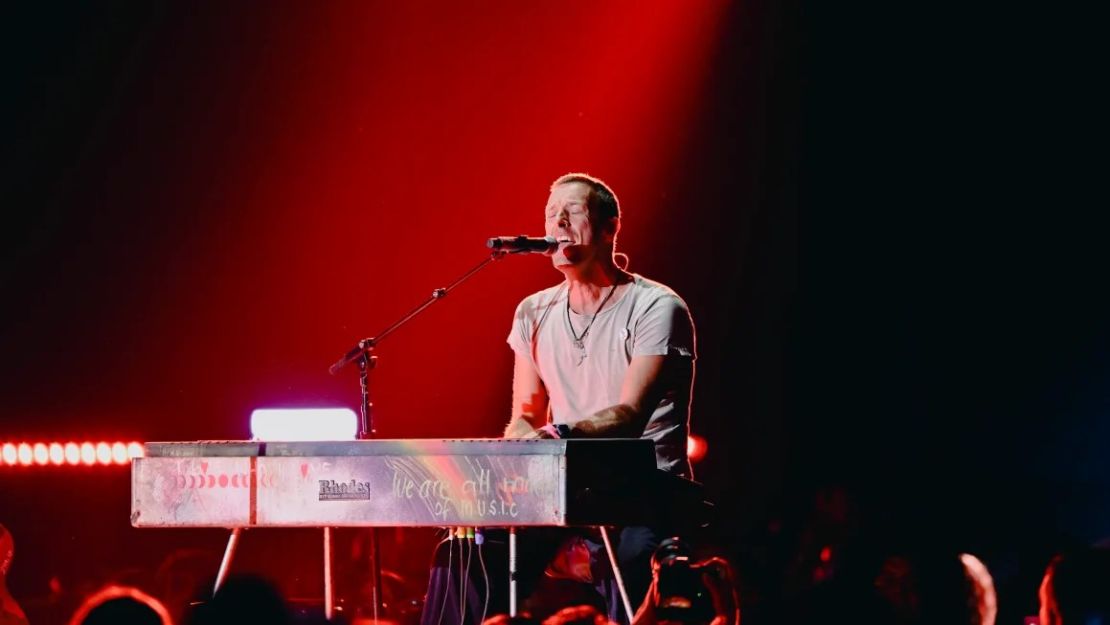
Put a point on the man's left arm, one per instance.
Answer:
(643, 387)
(662, 361)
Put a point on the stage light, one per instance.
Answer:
(696, 448)
(57, 454)
(304, 424)
(88, 453)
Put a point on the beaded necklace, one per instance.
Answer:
(579, 340)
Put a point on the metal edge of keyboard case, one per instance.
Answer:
(417, 482)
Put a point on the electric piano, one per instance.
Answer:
(417, 482)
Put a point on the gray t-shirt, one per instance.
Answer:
(647, 319)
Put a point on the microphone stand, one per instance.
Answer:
(362, 354)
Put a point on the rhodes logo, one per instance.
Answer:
(331, 490)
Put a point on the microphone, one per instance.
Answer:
(523, 245)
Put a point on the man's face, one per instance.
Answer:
(567, 218)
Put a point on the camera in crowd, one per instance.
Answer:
(681, 586)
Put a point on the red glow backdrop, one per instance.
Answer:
(207, 205)
(307, 175)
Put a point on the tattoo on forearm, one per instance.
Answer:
(617, 421)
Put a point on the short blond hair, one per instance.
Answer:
(603, 202)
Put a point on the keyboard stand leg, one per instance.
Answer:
(374, 552)
(512, 571)
(617, 573)
(229, 553)
(329, 595)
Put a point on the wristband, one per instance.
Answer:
(561, 430)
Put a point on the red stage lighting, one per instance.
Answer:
(69, 453)
(25, 455)
(73, 453)
(88, 453)
(696, 448)
(57, 454)
(41, 453)
(103, 453)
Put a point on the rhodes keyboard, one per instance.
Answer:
(479, 482)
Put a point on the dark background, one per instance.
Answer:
(881, 219)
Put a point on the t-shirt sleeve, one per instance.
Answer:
(520, 335)
(665, 328)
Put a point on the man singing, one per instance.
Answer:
(606, 354)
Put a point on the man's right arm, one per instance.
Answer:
(529, 400)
